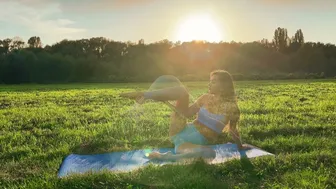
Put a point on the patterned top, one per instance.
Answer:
(212, 121)
(228, 109)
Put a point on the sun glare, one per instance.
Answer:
(199, 27)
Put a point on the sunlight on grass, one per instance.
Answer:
(42, 124)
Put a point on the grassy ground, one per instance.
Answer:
(42, 124)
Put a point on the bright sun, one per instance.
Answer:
(200, 27)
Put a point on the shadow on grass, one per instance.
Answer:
(251, 176)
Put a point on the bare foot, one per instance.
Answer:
(137, 96)
(244, 147)
(157, 155)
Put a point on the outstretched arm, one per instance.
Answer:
(233, 125)
(235, 134)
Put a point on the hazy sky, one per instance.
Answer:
(154, 20)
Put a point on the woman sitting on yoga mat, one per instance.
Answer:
(217, 112)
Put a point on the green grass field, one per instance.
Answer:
(42, 124)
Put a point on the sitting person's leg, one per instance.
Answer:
(189, 144)
(190, 135)
(166, 94)
(191, 151)
(187, 151)
(180, 94)
(167, 89)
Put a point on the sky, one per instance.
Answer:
(155, 20)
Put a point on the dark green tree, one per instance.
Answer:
(280, 39)
(34, 42)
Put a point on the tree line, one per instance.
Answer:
(100, 59)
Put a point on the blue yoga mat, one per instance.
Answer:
(131, 160)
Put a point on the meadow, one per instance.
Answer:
(42, 124)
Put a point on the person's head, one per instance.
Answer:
(221, 83)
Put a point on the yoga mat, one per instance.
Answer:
(132, 160)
